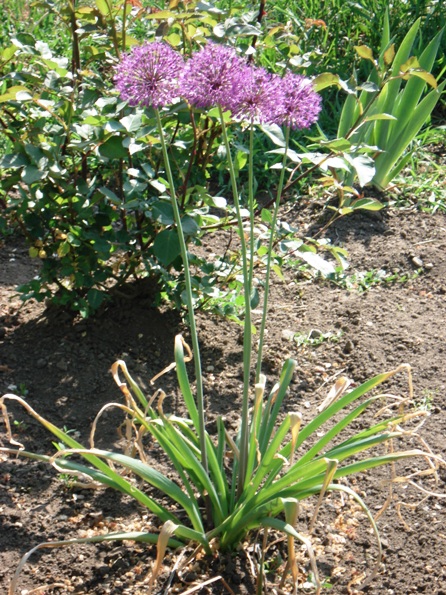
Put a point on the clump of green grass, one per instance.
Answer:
(421, 183)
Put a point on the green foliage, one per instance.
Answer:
(74, 188)
(81, 175)
(381, 117)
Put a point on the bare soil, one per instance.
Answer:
(62, 365)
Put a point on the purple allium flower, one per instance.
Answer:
(213, 76)
(301, 104)
(261, 97)
(148, 75)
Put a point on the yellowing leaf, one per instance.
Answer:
(12, 92)
(63, 249)
(275, 30)
(422, 74)
(365, 52)
(164, 14)
(411, 63)
(326, 79)
(103, 7)
(389, 55)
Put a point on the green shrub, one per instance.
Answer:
(82, 176)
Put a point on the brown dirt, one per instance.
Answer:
(62, 365)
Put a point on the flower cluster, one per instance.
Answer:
(260, 97)
(300, 104)
(148, 75)
(154, 75)
(213, 76)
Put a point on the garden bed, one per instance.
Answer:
(389, 310)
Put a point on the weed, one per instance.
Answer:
(20, 426)
(426, 401)
(362, 281)
(316, 337)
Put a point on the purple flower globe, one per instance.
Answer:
(301, 104)
(148, 75)
(260, 98)
(213, 76)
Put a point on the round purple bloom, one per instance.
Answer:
(261, 97)
(301, 104)
(148, 75)
(213, 76)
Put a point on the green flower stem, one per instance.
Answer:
(189, 297)
(251, 205)
(247, 337)
(270, 258)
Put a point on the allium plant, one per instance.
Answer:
(276, 461)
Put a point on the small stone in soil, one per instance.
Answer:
(348, 347)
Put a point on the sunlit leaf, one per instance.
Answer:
(338, 144)
(103, 7)
(163, 15)
(368, 87)
(412, 62)
(368, 204)
(63, 249)
(31, 174)
(364, 167)
(379, 117)
(274, 133)
(8, 52)
(317, 262)
(365, 52)
(266, 216)
(389, 55)
(422, 74)
(324, 80)
(23, 96)
(132, 122)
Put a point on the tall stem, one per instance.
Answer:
(270, 258)
(247, 337)
(251, 204)
(189, 296)
(124, 26)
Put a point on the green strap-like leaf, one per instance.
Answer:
(158, 480)
(184, 457)
(387, 160)
(274, 405)
(183, 381)
(340, 404)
